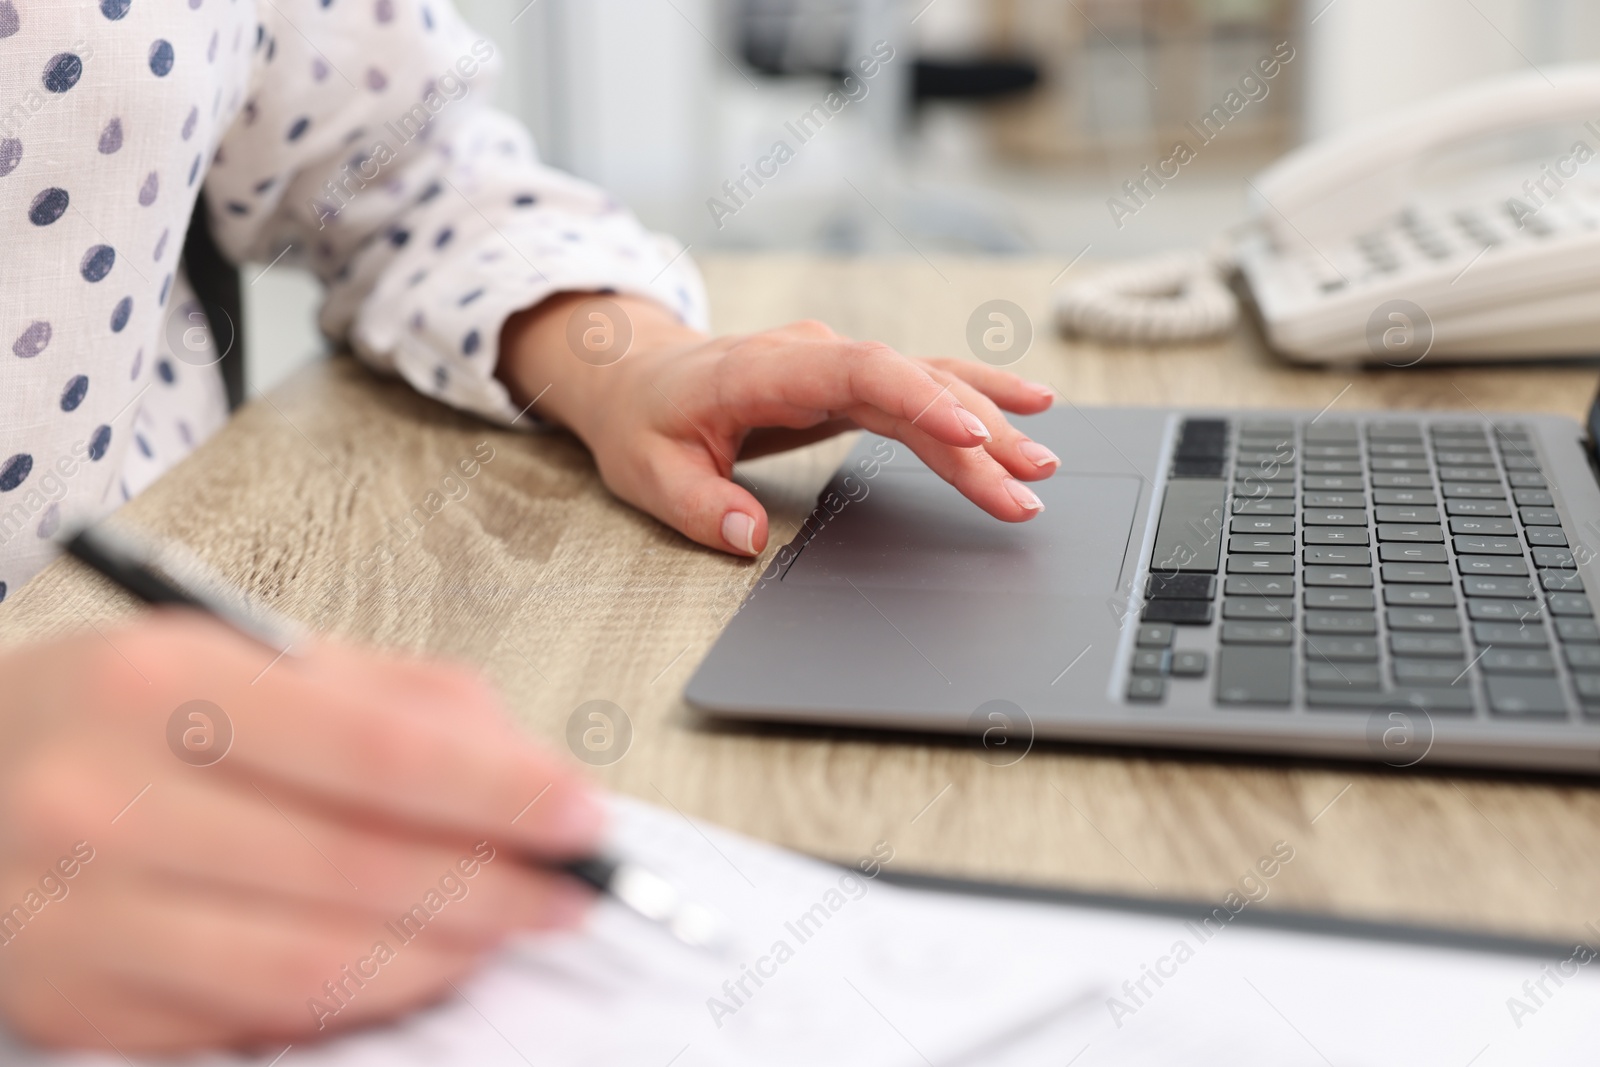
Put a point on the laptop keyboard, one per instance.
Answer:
(1354, 565)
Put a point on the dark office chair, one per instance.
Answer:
(800, 37)
(216, 286)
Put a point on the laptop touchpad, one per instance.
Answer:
(913, 530)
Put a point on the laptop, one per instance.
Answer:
(1387, 587)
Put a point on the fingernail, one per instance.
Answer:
(1039, 455)
(1044, 391)
(1024, 496)
(973, 424)
(739, 530)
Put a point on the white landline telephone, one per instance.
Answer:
(1349, 257)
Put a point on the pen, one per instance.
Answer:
(133, 567)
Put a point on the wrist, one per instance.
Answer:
(569, 352)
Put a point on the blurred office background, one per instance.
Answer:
(999, 127)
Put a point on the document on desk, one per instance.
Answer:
(832, 966)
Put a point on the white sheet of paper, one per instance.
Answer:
(855, 971)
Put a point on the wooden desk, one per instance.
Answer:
(563, 595)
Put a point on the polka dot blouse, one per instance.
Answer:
(352, 137)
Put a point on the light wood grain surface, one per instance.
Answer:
(562, 595)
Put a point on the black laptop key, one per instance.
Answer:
(1490, 586)
(1510, 634)
(1150, 661)
(1431, 596)
(1532, 498)
(1430, 646)
(1349, 623)
(1255, 674)
(1338, 555)
(1189, 664)
(1260, 564)
(1335, 517)
(1272, 544)
(1426, 671)
(1335, 649)
(1473, 491)
(1588, 687)
(1343, 676)
(1182, 612)
(1407, 552)
(1262, 524)
(1401, 480)
(1340, 598)
(1336, 483)
(1256, 633)
(1469, 475)
(1335, 535)
(1526, 480)
(1155, 635)
(1575, 604)
(1434, 619)
(1582, 657)
(1535, 697)
(1263, 507)
(1477, 507)
(1517, 661)
(1456, 458)
(1147, 688)
(1406, 513)
(1259, 608)
(1578, 631)
(1561, 581)
(1258, 585)
(1483, 610)
(1484, 545)
(1547, 536)
(1483, 526)
(1539, 517)
(1404, 496)
(1335, 500)
(1419, 573)
(1399, 463)
(1181, 587)
(1555, 558)
(1350, 577)
(1189, 535)
(1410, 531)
(1510, 566)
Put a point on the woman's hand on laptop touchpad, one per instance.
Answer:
(667, 421)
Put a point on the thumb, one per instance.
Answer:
(681, 485)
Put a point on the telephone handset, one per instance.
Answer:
(1402, 238)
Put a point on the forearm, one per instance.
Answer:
(543, 354)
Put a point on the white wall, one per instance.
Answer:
(1364, 57)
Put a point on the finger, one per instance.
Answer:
(253, 844)
(774, 383)
(1022, 456)
(392, 755)
(978, 475)
(1007, 390)
(681, 484)
(52, 1008)
(264, 971)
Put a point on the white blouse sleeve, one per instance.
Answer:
(367, 149)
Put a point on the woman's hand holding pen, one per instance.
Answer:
(666, 421)
(153, 899)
